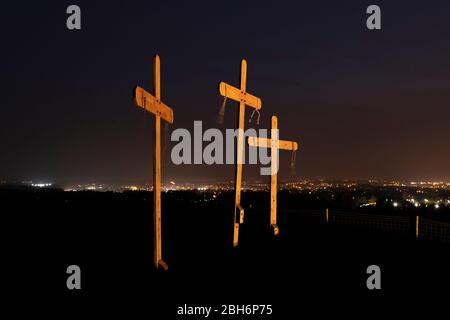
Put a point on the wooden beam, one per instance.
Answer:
(238, 95)
(238, 210)
(145, 100)
(267, 143)
(157, 191)
(417, 227)
(274, 177)
(157, 77)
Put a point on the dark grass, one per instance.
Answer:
(109, 235)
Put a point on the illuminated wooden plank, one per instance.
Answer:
(157, 193)
(417, 226)
(238, 210)
(157, 76)
(238, 95)
(267, 143)
(274, 177)
(145, 100)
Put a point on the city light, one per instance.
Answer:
(368, 204)
(41, 185)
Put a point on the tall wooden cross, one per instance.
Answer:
(273, 143)
(245, 99)
(153, 104)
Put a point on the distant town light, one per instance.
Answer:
(41, 185)
(368, 204)
(436, 206)
(395, 204)
(416, 204)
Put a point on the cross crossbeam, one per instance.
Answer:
(267, 143)
(148, 102)
(238, 95)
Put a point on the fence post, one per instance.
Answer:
(417, 227)
(326, 215)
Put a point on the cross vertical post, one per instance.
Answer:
(275, 145)
(417, 227)
(273, 176)
(240, 149)
(245, 99)
(157, 166)
(153, 104)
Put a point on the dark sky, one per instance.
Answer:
(362, 104)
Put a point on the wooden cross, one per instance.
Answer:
(245, 99)
(153, 104)
(273, 143)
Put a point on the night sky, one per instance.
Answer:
(362, 104)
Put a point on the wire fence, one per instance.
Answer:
(422, 227)
(380, 222)
(434, 230)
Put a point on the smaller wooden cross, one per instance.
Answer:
(274, 144)
(245, 99)
(153, 104)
